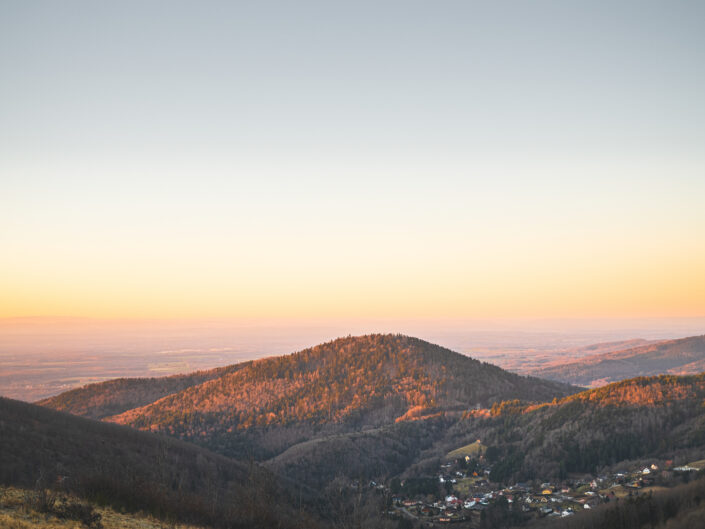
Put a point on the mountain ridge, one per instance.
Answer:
(344, 368)
(263, 407)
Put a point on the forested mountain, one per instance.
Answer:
(138, 471)
(643, 417)
(346, 384)
(355, 400)
(678, 357)
(357, 408)
(112, 397)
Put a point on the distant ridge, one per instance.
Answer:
(679, 357)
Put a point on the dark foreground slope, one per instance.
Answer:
(135, 470)
(660, 417)
(685, 356)
(342, 386)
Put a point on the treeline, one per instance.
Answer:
(645, 391)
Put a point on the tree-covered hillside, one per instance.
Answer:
(348, 383)
(643, 417)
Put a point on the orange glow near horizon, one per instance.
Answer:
(554, 285)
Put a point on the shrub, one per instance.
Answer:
(82, 512)
(40, 500)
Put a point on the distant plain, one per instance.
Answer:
(42, 357)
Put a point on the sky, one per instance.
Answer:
(393, 159)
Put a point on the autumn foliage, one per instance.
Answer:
(373, 379)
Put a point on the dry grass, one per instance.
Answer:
(473, 449)
(14, 514)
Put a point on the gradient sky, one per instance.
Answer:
(358, 159)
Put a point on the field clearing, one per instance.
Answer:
(622, 492)
(472, 450)
(700, 464)
(463, 485)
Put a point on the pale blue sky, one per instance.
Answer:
(261, 136)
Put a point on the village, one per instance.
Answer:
(469, 492)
